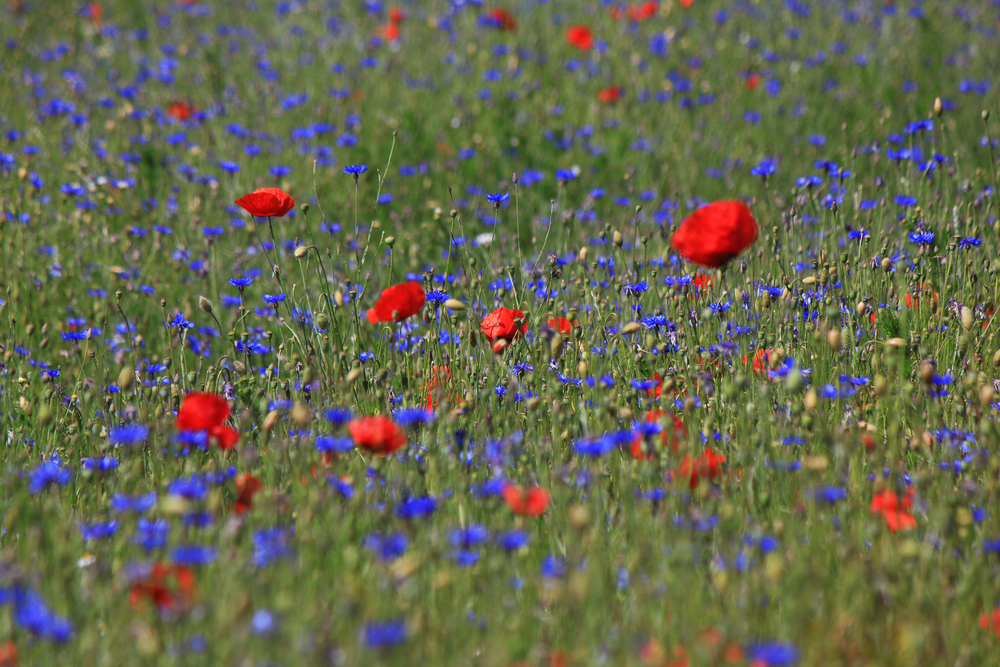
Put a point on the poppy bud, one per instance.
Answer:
(616, 238)
(833, 338)
(938, 107)
(966, 318)
(126, 378)
(322, 321)
(301, 251)
(205, 305)
(454, 304)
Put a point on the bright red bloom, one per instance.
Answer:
(397, 303)
(180, 110)
(670, 436)
(708, 466)
(8, 654)
(715, 234)
(379, 435)
(208, 413)
(95, 12)
(266, 202)
(500, 325)
(532, 501)
(247, 487)
(761, 361)
(562, 325)
(503, 20)
(894, 510)
(396, 15)
(644, 11)
(389, 32)
(610, 95)
(991, 620)
(752, 80)
(167, 586)
(581, 37)
(686, 4)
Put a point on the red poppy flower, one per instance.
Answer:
(397, 303)
(208, 413)
(439, 375)
(894, 510)
(686, 4)
(761, 360)
(95, 12)
(501, 325)
(562, 325)
(670, 436)
(168, 586)
(991, 620)
(180, 110)
(267, 202)
(581, 37)
(389, 32)
(715, 234)
(396, 15)
(532, 501)
(379, 435)
(8, 654)
(247, 487)
(644, 11)
(752, 80)
(708, 465)
(503, 20)
(610, 95)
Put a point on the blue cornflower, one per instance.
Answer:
(129, 434)
(921, 237)
(240, 282)
(338, 416)
(137, 504)
(829, 494)
(274, 298)
(384, 634)
(765, 167)
(48, 473)
(387, 547)
(472, 536)
(355, 169)
(773, 654)
(193, 555)
(513, 540)
(103, 464)
(99, 530)
(152, 534)
(635, 289)
(326, 444)
(497, 199)
(269, 545)
(417, 508)
(263, 622)
(31, 612)
(406, 417)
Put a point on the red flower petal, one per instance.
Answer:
(379, 435)
(267, 202)
(397, 303)
(581, 37)
(716, 234)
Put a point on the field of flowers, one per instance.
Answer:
(527, 332)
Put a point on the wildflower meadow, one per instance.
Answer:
(526, 332)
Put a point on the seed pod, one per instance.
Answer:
(301, 251)
(631, 328)
(454, 304)
(205, 305)
(322, 321)
(833, 338)
(938, 107)
(617, 239)
(966, 318)
(125, 378)
(270, 420)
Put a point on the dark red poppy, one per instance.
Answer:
(167, 586)
(379, 435)
(501, 325)
(643, 11)
(751, 81)
(610, 95)
(503, 20)
(562, 325)
(669, 437)
(8, 654)
(95, 12)
(396, 15)
(207, 413)
(267, 202)
(686, 4)
(707, 465)
(702, 281)
(532, 501)
(180, 110)
(247, 487)
(894, 510)
(715, 234)
(397, 303)
(581, 37)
